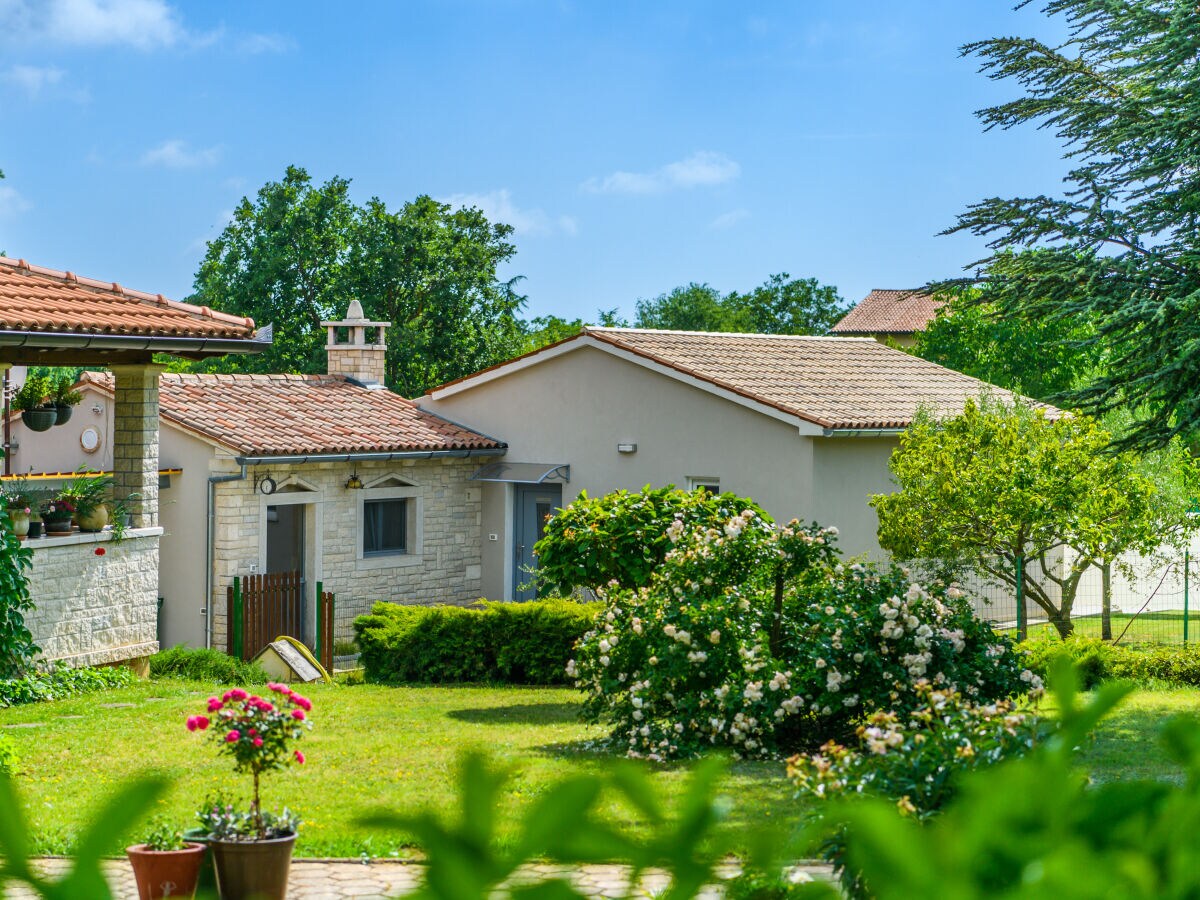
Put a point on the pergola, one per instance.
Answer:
(52, 318)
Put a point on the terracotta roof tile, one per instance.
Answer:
(36, 299)
(889, 312)
(276, 415)
(834, 382)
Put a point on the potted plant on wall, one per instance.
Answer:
(164, 864)
(18, 500)
(252, 850)
(88, 493)
(65, 398)
(56, 516)
(34, 403)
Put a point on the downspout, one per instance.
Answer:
(210, 549)
(7, 427)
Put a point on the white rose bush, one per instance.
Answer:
(752, 638)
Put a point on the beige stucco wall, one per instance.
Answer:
(846, 471)
(445, 567)
(59, 450)
(91, 609)
(577, 407)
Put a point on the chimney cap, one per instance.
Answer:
(355, 318)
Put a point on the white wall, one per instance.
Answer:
(577, 407)
(846, 472)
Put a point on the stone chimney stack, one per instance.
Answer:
(352, 356)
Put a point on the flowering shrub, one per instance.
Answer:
(622, 536)
(688, 661)
(913, 759)
(257, 733)
(223, 821)
(685, 663)
(865, 637)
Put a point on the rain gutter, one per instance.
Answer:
(52, 340)
(384, 456)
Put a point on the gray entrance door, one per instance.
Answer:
(285, 556)
(534, 503)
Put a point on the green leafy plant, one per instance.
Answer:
(200, 664)
(17, 493)
(221, 820)
(16, 641)
(34, 393)
(1096, 660)
(9, 758)
(163, 836)
(622, 536)
(509, 643)
(258, 734)
(85, 876)
(57, 683)
(86, 491)
(64, 393)
(466, 861)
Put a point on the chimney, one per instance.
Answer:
(353, 357)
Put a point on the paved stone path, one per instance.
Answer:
(341, 879)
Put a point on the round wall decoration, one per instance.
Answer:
(89, 439)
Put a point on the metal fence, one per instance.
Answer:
(1154, 600)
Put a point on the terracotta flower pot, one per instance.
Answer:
(253, 868)
(40, 419)
(165, 873)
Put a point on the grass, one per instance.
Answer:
(397, 748)
(372, 747)
(1149, 627)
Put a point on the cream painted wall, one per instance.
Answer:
(846, 471)
(59, 450)
(577, 407)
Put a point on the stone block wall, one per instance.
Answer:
(362, 362)
(448, 569)
(92, 609)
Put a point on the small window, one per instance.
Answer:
(704, 483)
(385, 527)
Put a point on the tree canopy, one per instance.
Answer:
(1121, 243)
(299, 252)
(780, 305)
(1043, 358)
(999, 484)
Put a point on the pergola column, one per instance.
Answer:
(135, 441)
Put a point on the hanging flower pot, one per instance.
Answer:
(64, 413)
(41, 418)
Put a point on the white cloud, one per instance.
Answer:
(11, 202)
(32, 79)
(142, 24)
(703, 168)
(176, 154)
(498, 206)
(729, 219)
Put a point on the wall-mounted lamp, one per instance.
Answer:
(627, 448)
(354, 483)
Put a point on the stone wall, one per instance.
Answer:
(446, 570)
(90, 608)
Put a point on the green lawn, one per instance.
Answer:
(397, 747)
(1149, 627)
(372, 746)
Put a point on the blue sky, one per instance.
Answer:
(634, 145)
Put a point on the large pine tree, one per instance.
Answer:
(1121, 244)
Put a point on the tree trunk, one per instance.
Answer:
(1106, 602)
(777, 618)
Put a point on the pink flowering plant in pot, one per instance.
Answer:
(258, 733)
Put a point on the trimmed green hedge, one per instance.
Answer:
(58, 684)
(196, 664)
(1097, 660)
(508, 643)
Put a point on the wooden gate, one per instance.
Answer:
(263, 607)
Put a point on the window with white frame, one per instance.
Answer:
(704, 482)
(389, 523)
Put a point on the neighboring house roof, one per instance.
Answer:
(35, 299)
(835, 383)
(282, 415)
(889, 312)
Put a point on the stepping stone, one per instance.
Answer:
(72, 717)
(25, 725)
(117, 705)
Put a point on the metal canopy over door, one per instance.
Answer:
(533, 504)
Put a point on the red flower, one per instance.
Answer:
(100, 551)
(299, 757)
